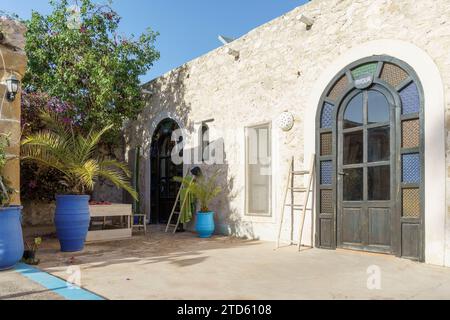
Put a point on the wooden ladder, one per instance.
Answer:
(175, 213)
(290, 186)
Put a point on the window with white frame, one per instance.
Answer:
(258, 169)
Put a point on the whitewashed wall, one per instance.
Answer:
(282, 66)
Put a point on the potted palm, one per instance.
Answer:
(204, 190)
(72, 153)
(11, 241)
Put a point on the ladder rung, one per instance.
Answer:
(298, 189)
(300, 173)
(177, 213)
(295, 206)
(172, 225)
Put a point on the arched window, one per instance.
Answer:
(370, 134)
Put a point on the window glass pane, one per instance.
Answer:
(365, 69)
(410, 99)
(258, 202)
(326, 121)
(379, 183)
(411, 168)
(326, 172)
(379, 144)
(326, 144)
(379, 108)
(259, 170)
(353, 147)
(411, 203)
(353, 184)
(353, 116)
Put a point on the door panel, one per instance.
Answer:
(366, 171)
(352, 226)
(379, 224)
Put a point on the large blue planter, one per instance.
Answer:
(11, 239)
(205, 224)
(72, 221)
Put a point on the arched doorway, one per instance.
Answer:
(163, 188)
(371, 157)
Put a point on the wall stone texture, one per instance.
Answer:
(277, 68)
(12, 61)
(38, 213)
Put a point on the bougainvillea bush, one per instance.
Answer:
(81, 67)
(78, 54)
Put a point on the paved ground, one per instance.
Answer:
(14, 286)
(162, 266)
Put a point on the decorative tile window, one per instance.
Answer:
(326, 172)
(338, 89)
(411, 203)
(411, 168)
(327, 116)
(411, 134)
(368, 68)
(326, 201)
(410, 99)
(326, 144)
(394, 75)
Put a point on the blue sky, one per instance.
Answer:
(188, 28)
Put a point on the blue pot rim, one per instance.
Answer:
(72, 196)
(206, 213)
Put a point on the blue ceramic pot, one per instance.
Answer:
(205, 224)
(11, 239)
(72, 221)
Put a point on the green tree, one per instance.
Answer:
(77, 55)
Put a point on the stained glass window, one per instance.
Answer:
(327, 116)
(411, 134)
(410, 99)
(393, 74)
(368, 68)
(338, 89)
(326, 172)
(411, 168)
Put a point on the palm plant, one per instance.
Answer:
(74, 155)
(204, 189)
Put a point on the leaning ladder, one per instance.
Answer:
(290, 186)
(175, 213)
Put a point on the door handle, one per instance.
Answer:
(342, 174)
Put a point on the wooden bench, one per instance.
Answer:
(123, 211)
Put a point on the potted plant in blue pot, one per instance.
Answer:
(72, 153)
(11, 239)
(204, 190)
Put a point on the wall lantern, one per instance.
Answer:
(12, 87)
(286, 121)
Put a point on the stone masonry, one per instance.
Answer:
(12, 61)
(277, 67)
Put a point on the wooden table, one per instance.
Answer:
(124, 211)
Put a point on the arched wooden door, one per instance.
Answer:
(370, 148)
(163, 188)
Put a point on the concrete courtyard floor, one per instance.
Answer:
(14, 286)
(182, 267)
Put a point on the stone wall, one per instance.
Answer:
(278, 69)
(37, 213)
(12, 61)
